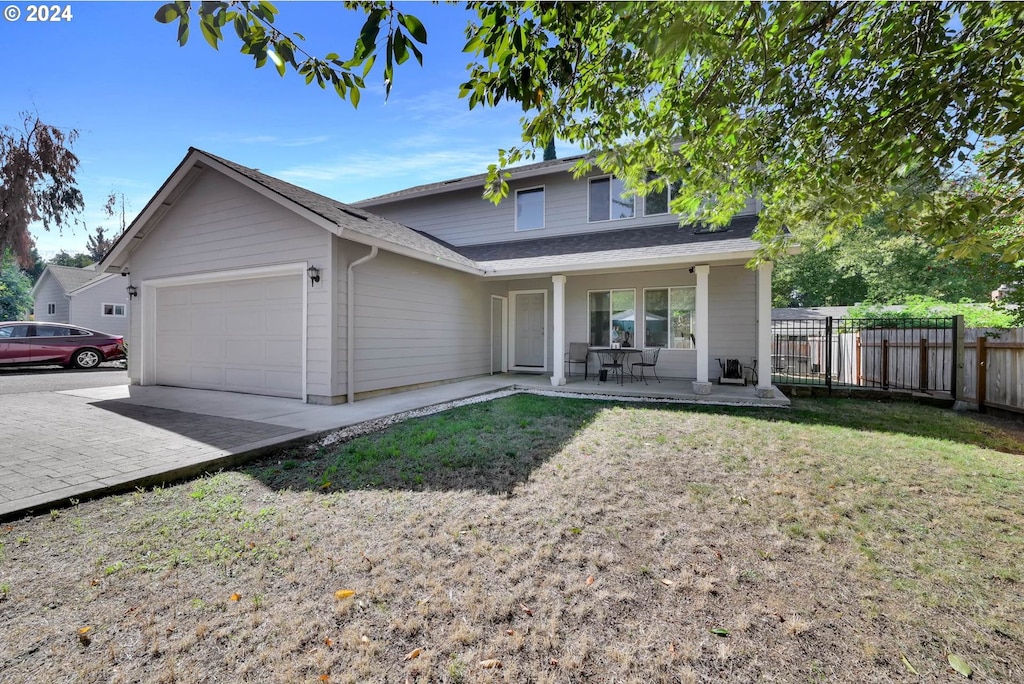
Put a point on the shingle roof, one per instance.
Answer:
(71, 278)
(478, 179)
(350, 218)
(610, 240)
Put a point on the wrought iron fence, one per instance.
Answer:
(886, 353)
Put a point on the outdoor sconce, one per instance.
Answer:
(132, 291)
(314, 275)
(125, 272)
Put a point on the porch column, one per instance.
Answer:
(764, 331)
(558, 336)
(702, 385)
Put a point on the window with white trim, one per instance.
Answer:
(608, 200)
(530, 208)
(51, 309)
(113, 309)
(612, 317)
(657, 201)
(669, 317)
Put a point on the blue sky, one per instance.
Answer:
(139, 101)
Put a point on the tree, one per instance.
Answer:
(98, 244)
(15, 290)
(824, 109)
(79, 260)
(115, 207)
(37, 183)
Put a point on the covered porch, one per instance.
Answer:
(669, 389)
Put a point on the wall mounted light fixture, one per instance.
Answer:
(314, 275)
(125, 271)
(132, 291)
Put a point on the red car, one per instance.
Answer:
(24, 343)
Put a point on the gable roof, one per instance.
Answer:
(339, 218)
(475, 181)
(70, 278)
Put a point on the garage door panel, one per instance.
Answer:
(241, 336)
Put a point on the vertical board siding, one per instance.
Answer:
(463, 217)
(218, 225)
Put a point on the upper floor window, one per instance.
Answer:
(51, 309)
(657, 202)
(608, 200)
(530, 209)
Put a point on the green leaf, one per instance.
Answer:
(414, 26)
(720, 631)
(354, 96)
(167, 13)
(241, 27)
(401, 51)
(210, 34)
(276, 59)
(959, 664)
(183, 30)
(906, 664)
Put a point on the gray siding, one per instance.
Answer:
(49, 292)
(218, 225)
(732, 306)
(418, 323)
(465, 218)
(87, 306)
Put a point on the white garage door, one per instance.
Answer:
(236, 336)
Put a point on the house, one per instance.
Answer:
(82, 296)
(247, 283)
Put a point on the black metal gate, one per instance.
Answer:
(885, 353)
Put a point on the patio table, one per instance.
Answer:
(617, 355)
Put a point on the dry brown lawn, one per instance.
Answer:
(536, 539)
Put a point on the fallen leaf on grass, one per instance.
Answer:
(329, 641)
(325, 679)
(415, 653)
(490, 663)
(959, 664)
(720, 631)
(365, 639)
(554, 662)
(510, 632)
(83, 635)
(906, 664)
(342, 594)
(235, 597)
(526, 609)
(590, 580)
(672, 648)
(667, 582)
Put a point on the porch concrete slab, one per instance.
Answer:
(81, 443)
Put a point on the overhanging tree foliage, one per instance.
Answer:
(824, 110)
(37, 183)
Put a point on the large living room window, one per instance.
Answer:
(530, 209)
(612, 317)
(608, 200)
(669, 317)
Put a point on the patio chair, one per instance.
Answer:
(578, 352)
(611, 364)
(648, 359)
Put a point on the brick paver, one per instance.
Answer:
(57, 446)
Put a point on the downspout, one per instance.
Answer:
(350, 310)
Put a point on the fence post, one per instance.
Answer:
(982, 368)
(856, 366)
(922, 380)
(828, 353)
(885, 362)
(958, 356)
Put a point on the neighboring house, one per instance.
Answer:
(82, 296)
(248, 283)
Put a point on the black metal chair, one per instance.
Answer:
(648, 359)
(611, 364)
(578, 352)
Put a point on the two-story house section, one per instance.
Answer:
(584, 262)
(247, 283)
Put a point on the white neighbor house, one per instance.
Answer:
(250, 284)
(82, 296)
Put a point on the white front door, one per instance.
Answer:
(529, 339)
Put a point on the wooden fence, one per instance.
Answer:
(993, 373)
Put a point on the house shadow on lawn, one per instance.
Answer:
(490, 447)
(494, 446)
